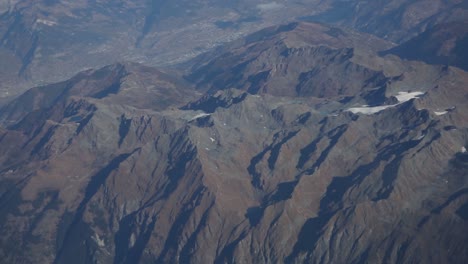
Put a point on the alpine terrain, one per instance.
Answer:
(233, 132)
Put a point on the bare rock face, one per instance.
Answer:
(129, 164)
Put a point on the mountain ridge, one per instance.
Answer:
(299, 143)
(233, 175)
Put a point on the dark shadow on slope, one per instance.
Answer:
(334, 135)
(462, 211)
(227, 254)
(28, 58)
(124, 128)
(83, 123)
(256, 81)
(332, 200)
(43, 141)
(190, 247)
(308, 236)
(209, 103)
(274, 150)
(127, 227)
(283, 192)
(177, 171)
(254, 215)
(76, 238)
(112, 89)
(170, 250)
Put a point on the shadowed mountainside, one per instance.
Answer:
(396, 20)
(443, 44)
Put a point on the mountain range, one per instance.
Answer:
(45, 41)
(342, 140)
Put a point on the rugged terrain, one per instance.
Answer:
(46, 41)
(296, 144)
(442, 44)
(396, 20)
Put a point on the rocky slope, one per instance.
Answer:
(442, 44)
(289, 60)
(98, 169)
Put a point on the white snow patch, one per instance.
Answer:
(199, 115)
(401, 97)
(463, 150)
(368, 110)
(406, 96)
(269, 6)
(46, 22)
(99, 241)
(212, 139)
(207, 148)
(132, 239)
(420, 137)
(440, 113)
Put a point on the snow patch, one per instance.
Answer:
(99, 241)
(46, 22)
(440, 113)
(420, 137)
(406, 96)
(212, 139)
(199, 115)
(368, 110)
(463, 150)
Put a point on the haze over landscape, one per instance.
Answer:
(238, 131)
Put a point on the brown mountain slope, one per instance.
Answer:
(233, 177)
(298, 59)
(124, 83)
(310, 60)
